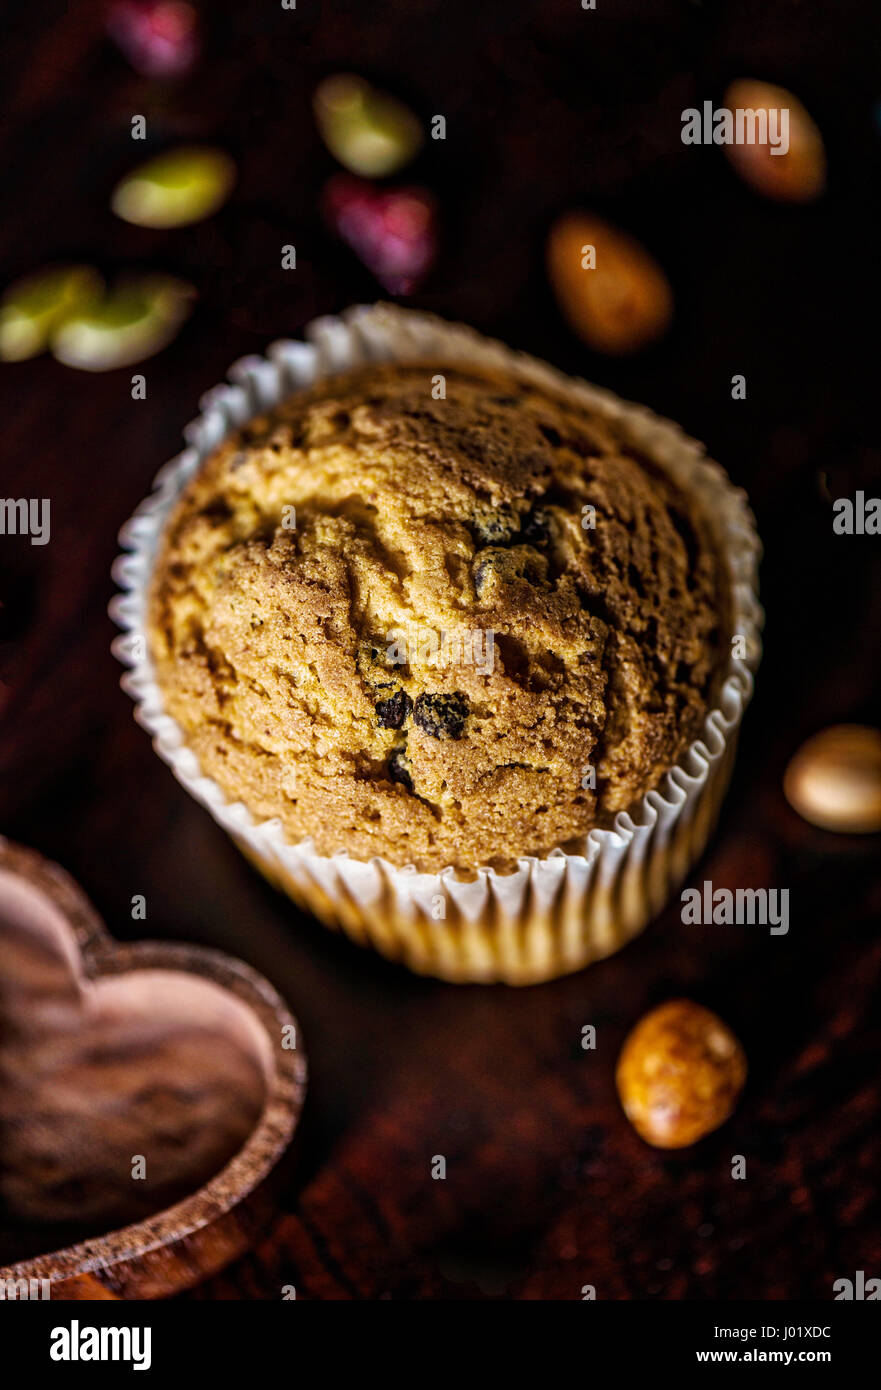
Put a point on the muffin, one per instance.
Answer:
(447, 640)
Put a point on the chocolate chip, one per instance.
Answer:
(441, 716)
(397, 769)
(391, 713)
(495, 527)
(373, 656)
(485, 568)
(508, 566)
(537, 526)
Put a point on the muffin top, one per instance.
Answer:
(445, 629)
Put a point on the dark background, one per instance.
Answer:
(548, 108)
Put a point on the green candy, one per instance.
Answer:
(369, 132)
(174, 189)
(32, 308)
(135, 321)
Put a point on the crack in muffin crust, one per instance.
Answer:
(449, 518)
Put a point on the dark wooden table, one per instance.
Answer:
(548, 107)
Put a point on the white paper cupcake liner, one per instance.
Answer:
(552, 914)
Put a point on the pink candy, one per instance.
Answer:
(158, 37)
(392, 230)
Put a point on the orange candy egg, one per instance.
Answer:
(796, 174)
(612, 292)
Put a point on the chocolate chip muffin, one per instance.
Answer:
(437, 614)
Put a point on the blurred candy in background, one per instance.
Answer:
(68, 311)
(173, 189)
(392, 230)
(371, 133)
(160, 38)
(613, 293)
(134, 321)
(34, 307)
(796, 174)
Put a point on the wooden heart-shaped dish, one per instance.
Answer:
(148, 1092)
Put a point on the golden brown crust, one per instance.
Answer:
(419, 527)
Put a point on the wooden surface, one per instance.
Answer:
(547, 107)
